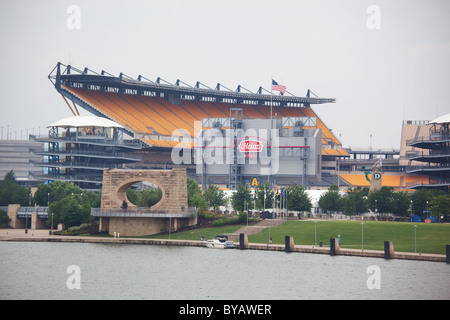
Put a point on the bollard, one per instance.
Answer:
(387, 254)
(448, 252)
(332, 246)
(243, 241)
(388, 249)
(288, 243)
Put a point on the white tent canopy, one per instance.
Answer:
(85, 122)
(442, 119)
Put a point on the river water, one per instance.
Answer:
(42, 270)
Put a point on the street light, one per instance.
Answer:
(48, 206)
(362, 236)
(26, 213)
(170, 225)
(415, 241)
(315, 231)
(247, 214)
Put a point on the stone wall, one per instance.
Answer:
(172, 183)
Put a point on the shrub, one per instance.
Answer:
(89, 228)
(242, 218)
(4, 219)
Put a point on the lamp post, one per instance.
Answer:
(315, 231)
(415, 241)
(170, 225)
(362, 236)
(254, 203)
(48, 206)
(52, 221)
(26, 213)
(247, 214)
(245, 204)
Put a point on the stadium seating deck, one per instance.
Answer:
(156, 116)
(392, 181)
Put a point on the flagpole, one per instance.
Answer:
(264, 206)
(271, 94)
(287, 212)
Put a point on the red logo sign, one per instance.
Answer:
(250, 146)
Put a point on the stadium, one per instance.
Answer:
(154, 112)
(161, 117)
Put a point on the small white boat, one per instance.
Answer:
(219, 242)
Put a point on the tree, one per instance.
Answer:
(10, 177)
(240, 197)
(400, 203)
(195, 197)
(41, 196)
(90, 198)
(214, 197)
(57, 190)
(420, 199)
(11, 192)
(381, 200)
(331, 201)
(69, 204)
(67, 211)
(192, 189)
(440, 205)
(355, 202)
(145, 197)
(298, 199)
(4, 219)
(197, 201)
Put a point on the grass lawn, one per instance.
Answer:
(196, 234)
(431, 238)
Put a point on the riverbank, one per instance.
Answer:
(43, 236)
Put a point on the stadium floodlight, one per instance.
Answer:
(140, 77)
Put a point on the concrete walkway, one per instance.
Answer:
(43, 236)
(12, 234)
(260, 226)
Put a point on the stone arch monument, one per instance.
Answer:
(169, 213)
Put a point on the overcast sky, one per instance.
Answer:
(383, 61)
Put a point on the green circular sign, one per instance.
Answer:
(377, 176)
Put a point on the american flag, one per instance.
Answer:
(278, 87)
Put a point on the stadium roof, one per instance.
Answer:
(85, 122)
(442, 119)
(68, 75)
